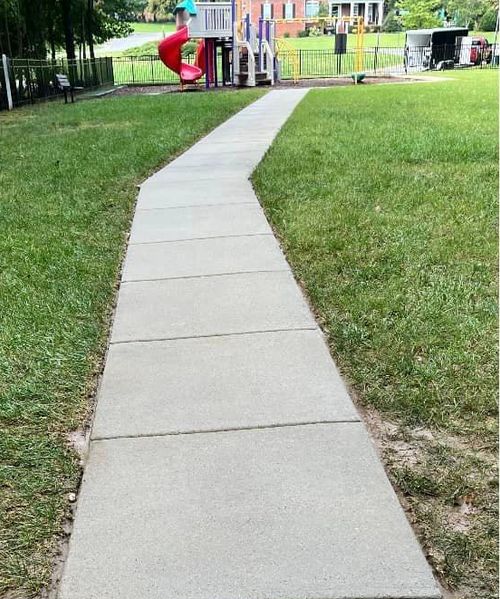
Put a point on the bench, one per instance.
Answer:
(64, 84)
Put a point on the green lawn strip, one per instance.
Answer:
(67, 188)
(370, 40)
(152, 27)
(385, 198)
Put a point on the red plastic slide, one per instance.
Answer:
(170, 54)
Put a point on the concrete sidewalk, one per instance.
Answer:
(227, 460)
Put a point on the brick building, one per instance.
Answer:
(372, 12)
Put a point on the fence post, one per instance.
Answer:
(7, 81)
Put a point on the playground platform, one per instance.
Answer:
(227, 460)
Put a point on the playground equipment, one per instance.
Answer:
(234, 51)
(170, 51)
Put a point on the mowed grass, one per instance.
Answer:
(370, 40)
(385, 198)
(67, 188)
(152, 27)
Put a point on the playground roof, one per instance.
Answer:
(188, 5)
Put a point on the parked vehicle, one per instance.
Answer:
(480, 50)
(425, 48)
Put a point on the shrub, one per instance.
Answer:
(189, 49)
(391, 23)
(145, 50)
(303, 33)
(286, 34)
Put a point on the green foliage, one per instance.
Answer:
(189, 49)
(147, 49)
(314, 32)
(488, 21)
(392, 23)
(35, 29)
(303, 33)
(161, 9)
(419, 14)
(468, 13)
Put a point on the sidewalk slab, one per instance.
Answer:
(241, 381)
(197, 192)
(227, 461)
(207, 155)
(301, 512)
(176, 224)
(202, 257)
(206, 170)
(221, 305)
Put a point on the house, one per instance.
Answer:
(372, 12)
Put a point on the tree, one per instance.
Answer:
(160, 9)
(391, 23)
(30, 28)
(488, 22)
(67, 23)
(468, 13)
(419, 14)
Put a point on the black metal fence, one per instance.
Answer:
(382, 61)
(35, 79)
(145, 70)
(32, 80)
(305, 63)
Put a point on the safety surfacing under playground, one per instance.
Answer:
(227, 460)
(285, 84)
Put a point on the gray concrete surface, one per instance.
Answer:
(176, 224)
(133, 40)
(226, 458)
(202, 257)
(242, 381)
(201, 306)
(197, 192)
(296, 512)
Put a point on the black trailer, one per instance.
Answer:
(426, 48)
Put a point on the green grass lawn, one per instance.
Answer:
(370, 40)
(67, 189)
(152, 27)
(327, 42)
(385, 198)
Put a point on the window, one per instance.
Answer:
(266, 10)
(355, 10)
(334, 10)
(312, 8)
(289, 10)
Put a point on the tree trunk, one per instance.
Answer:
(90, 27)
(83, 34)
(7, 34)
(69, 36)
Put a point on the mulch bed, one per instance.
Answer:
(333, 82)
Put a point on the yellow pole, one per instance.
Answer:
(360, 30)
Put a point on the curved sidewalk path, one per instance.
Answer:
(226, 459)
